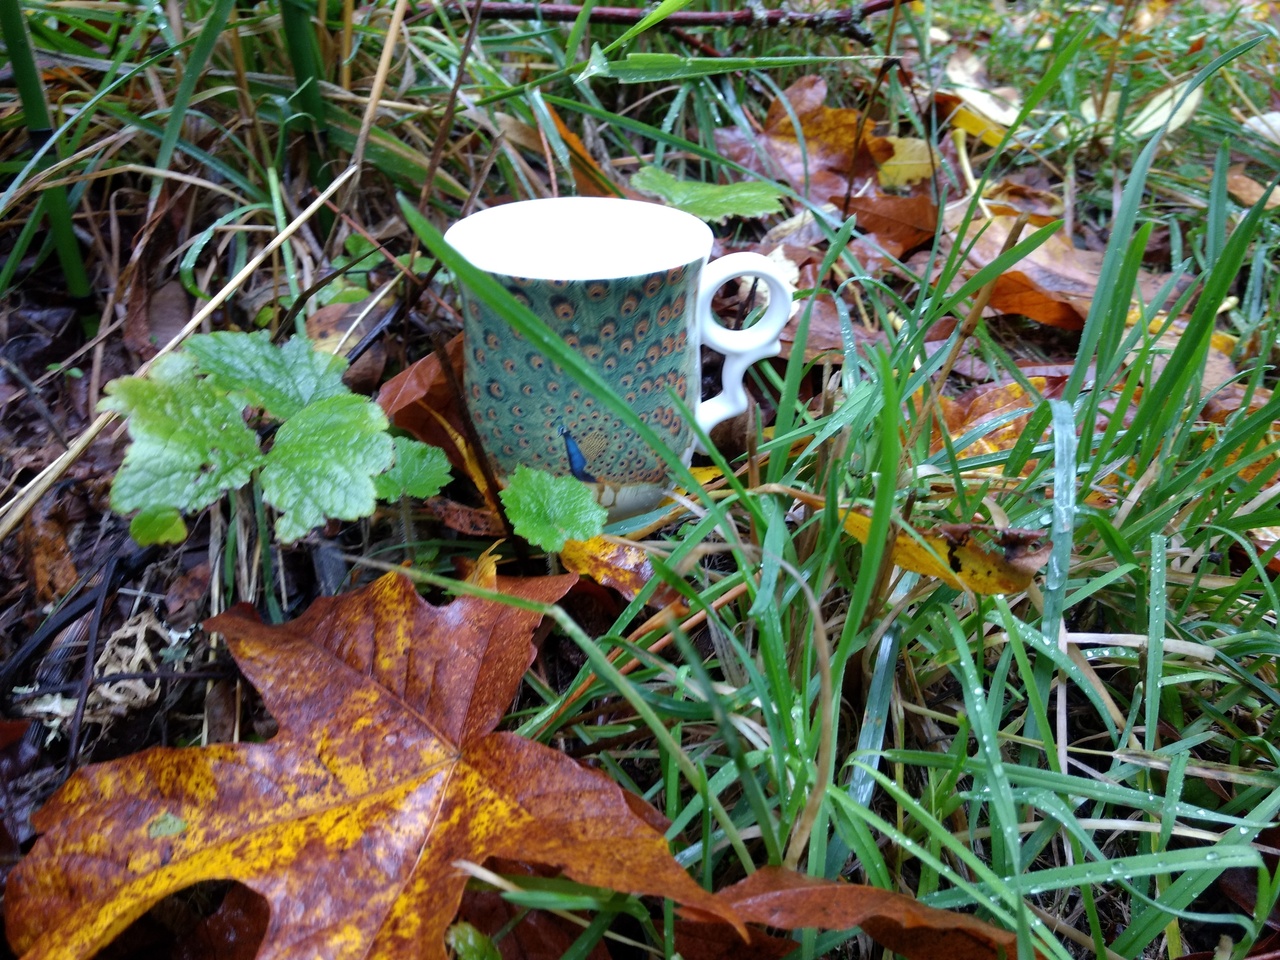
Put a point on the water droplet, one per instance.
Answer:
(1211, 856)
(1118, 867)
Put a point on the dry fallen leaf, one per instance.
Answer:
(1165, 106)
(836, 158)
(898, 224)
(1173, 106)
(913, 160)
(1008, 199)
(950, 553)
(588, 176)
(1265, 125)
(717, 941)
(988, 110)
(953, 110)
(385, 771)
(42, 543)
(1148, 17)
(1248, 190)
(1054, 285)
(990, 401)
(421, 401)
(473, 521)
(415, 398)
(784, 899)
(623, 567)
(821, 161)
(339, 327)
(826, 163)
(1222, 405)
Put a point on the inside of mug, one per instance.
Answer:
(580, 238)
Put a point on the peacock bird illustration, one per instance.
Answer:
(633, 331)
(577, 461)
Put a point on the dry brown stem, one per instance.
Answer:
(845, 23)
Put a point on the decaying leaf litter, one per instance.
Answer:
(905, 147)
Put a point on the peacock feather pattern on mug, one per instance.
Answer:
(634, 331)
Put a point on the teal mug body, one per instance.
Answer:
(627, 285)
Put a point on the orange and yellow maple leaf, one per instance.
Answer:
(386, 771)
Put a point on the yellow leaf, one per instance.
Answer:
(975, 124)
(485, 572)
(986, 111)
(971, 84)
(911, 162)
(950, 553)
(612, 563)
(1164, 108)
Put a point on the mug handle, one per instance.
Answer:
(741, 348)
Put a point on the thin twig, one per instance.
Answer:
(90, 662)
(34, 393)
(371, 109)
(845, 23)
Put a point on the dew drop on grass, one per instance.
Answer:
(1211, 856)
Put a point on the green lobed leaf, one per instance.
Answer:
(323, 463)
(715, 202)
(190, 441)
(548, 510)
(420, 470)
(158, 525)
(468, 943)
(282, 380)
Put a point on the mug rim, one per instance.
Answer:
(580, 238)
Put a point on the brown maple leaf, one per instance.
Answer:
(834, 158)
(384, 773)
(1056, 283)
(784, 899)
(825, 164)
